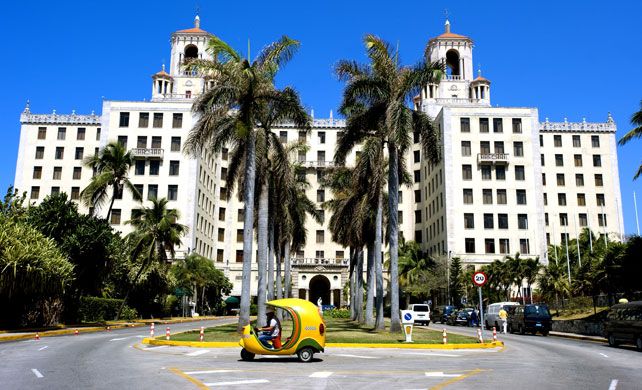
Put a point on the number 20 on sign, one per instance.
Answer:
(479, 278)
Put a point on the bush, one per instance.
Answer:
(95, 309)
(254, 309)
(337, 313)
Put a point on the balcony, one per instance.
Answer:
(317, 163)
(311, 261)
(462, 102)
(492, 158)
(147, 153)
(175, 97)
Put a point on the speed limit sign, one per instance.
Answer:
(479, 278)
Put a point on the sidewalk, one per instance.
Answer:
(597, 339)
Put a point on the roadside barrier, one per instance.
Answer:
(479, 335)
(202, 333)
(494, 334)
(151, 330)
(445, 336)
(37, 336)
(167, 333)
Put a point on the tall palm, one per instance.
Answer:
(383, 91)
(636, 132)
(156, 232)
(229, 114)
(111, 166)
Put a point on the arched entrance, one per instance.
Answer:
(320, 287)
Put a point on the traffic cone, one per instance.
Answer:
(494, 334)
(445, 336)
(202, 331)
(37, 336)
(151, 330)
(479, 335)
(167, 333)
(76, 332)
(109, 329)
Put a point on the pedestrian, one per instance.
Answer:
(503, 317)
(473, 317)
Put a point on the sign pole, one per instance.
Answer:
(479, 279)
(481, 310)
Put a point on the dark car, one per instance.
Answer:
(624, 324)
(461, 317)
(530, 318)
(441, 313)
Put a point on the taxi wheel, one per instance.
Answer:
(247, 356)
(638, 343)
(306, 354)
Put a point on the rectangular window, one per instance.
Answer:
(321, 156)
(521, 196)
(143, 120)
(140, 167)
(545, 199)
(239, 235)
(57, 173)
(37, 172)
(599, 199)
(221, 234)
(152, 191)
(98, 134)
(122, 140)
(498, 125)
(489, 245)
(418, 236)
(561, 199)
(320, 237)
(499, 147)
(577, 143)
(559, 160)
(541, 140)
(416, 156)
(177, 120)
(141, 142)
(78, 154)
(581, 200)
(222, 193)
(542, 160)
(524, 246)
(321, 137)
(75, 193)
(517, 125)
(487, 196)
(599, 182)
(583, 220)
(470, 245)
(283, 136)
(467, 172)
(483, 125)
(417, 175)
(557, 141)
(158, 120)
(219, 255)
(578, 160)
(321, 213)
(417, 196)
(500, 172)
(35, 192)
(115, 217)
(139, 188)
(597, 160)
(465, 125)
(522, 221)
(504, 246)
(543, 179)
(239, 255)
(469, 221)
(62, 133)
(124, 119)
(76, 173)
(221, 214)
(174, 168)
(240, 215)
(484, 147)
(563, 219)
(42, 132)
(40, 152)
(502, 221)
(546, 219)
(519, 172)
(561, 182)
(489, 221)
(501, 197)
(176, 144)
(319, 254)
(468, 196)
(320, 196)
(172, 192)
(579, 180)
(518, 149)
(601, 219)
(595, 141)
(154, 167)
(80, 134)
(156, 142)
(60, 153)
(486, 172)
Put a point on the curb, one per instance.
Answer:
(232, 344)
(573, 336)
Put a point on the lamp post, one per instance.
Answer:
(448, 277)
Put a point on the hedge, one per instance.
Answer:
(96, 309)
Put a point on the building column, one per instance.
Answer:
(307, 294)
(331, 296)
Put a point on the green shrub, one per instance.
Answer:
(254, 309)
(337, 313)
(96, 309)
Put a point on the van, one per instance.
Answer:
(491, 315)
(624, 324)
(421, 313)
(529, 318)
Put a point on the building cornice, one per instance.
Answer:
(56, 119)
(584, 126)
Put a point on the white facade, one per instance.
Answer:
(487, 197)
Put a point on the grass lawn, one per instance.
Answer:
(340, 330)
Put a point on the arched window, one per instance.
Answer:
(191, 51)
(452, 63)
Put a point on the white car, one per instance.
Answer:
(421, 313)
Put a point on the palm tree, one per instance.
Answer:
(156, 232)
(111, 166)
(382, 93)
(229, 112)
(636, 132)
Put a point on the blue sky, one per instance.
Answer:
(570, 59)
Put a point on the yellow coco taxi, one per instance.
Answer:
(307, 337)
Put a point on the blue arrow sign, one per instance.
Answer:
(407, 316)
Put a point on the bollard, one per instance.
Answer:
(479, 335)
(202, 333)
(494, 334)
(109, 329)
(151, 330)
(445, 336)
(76, 332)
(37, 336)
(167, 333)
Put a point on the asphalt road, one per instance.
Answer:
(117, 360)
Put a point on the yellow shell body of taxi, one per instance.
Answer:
(307, 338)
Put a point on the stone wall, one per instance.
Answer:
(587, 328)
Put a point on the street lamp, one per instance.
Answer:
(448, 277)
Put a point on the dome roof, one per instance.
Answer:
(162, 74)
(450, 35)
(194, 30)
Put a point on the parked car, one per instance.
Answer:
(491, 314)
(421, 313)
(624, 324)
(529, 318)
(441, 313)
(461, 317)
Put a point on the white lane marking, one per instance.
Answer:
(209, 372)
(231, 383)
(141, 337)
(605, 355)
(321, 374)
(613, 384)
(440, 374)
(45, 347)
(356, 356)
(196, 353)
(157, 347)
(118, 339)
(36, 373)
(431, 354)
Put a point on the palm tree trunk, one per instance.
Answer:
(122, 305)
(270, 262)
(279, 284)
(359, 286)
(248, 230)
(368, 318)
(288, 275)
(111, 204)
(262, 243)
(353, 305)
(393, 229)
(378, 260)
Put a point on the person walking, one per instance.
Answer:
(503, 316)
